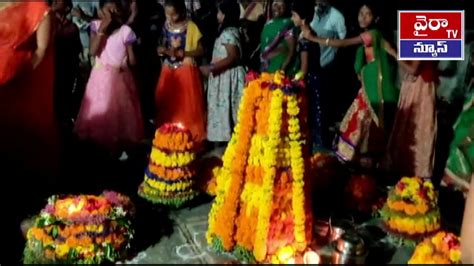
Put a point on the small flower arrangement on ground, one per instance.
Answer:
(82, 229)
(411, 211)
(170, 177)
(442, 248)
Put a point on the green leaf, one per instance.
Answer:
(72, 254)
(55, 232)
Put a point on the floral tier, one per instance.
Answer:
(411, 210)
(262, 206)
(81, 229)
(170, 175)
(442, 248)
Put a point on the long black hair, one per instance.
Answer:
(288, 5)
(304, 9)
(118, 19)
(179, 6)
(375, 9)
(231, 10)
(67, 3)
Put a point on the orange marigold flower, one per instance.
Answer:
(410, 209)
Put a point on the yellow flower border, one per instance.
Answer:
(162, 186)
(178, 159)
(298, 172)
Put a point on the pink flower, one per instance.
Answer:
(49, 209)
(113, 197)
(251, 75)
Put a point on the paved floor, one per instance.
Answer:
(186, 244)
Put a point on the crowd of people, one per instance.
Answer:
(112, 71)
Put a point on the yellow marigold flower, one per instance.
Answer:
(62, 250)
(420, 227)
(455, 255)
(285, 253)
(425, 249)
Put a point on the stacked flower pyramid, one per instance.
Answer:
(81, 229)
(411, 210)
(262, 206)
(443, 248)
(170, 175)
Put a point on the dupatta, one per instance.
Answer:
(18, 24)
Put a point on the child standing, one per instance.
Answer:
(110, 113)
(179, 94)
(302, 15)
(226, 79)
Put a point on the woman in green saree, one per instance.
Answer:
(460, 165)
(277, 42)
(367, 124)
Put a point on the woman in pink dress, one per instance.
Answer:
(411, 146)
(110, 111)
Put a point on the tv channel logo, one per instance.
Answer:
(430, 35)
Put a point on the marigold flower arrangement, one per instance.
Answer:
(82, 229)
(170, 175)
(261, 204)
(411, 210)
(442, 248)
(208, 171)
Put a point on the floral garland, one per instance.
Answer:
(233, 171)
(442, 248)
(298, 171)
(269, 165)
(81, 229)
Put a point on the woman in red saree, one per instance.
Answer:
(29, 139)
(28, 134)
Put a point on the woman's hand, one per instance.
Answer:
(77, 12)
(205, 70)
(389, 49)
(161, 51)
(179, 53)
(43, 37)
(106, 21)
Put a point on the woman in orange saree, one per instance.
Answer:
(29, 139)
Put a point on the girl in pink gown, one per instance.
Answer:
(110, 111)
